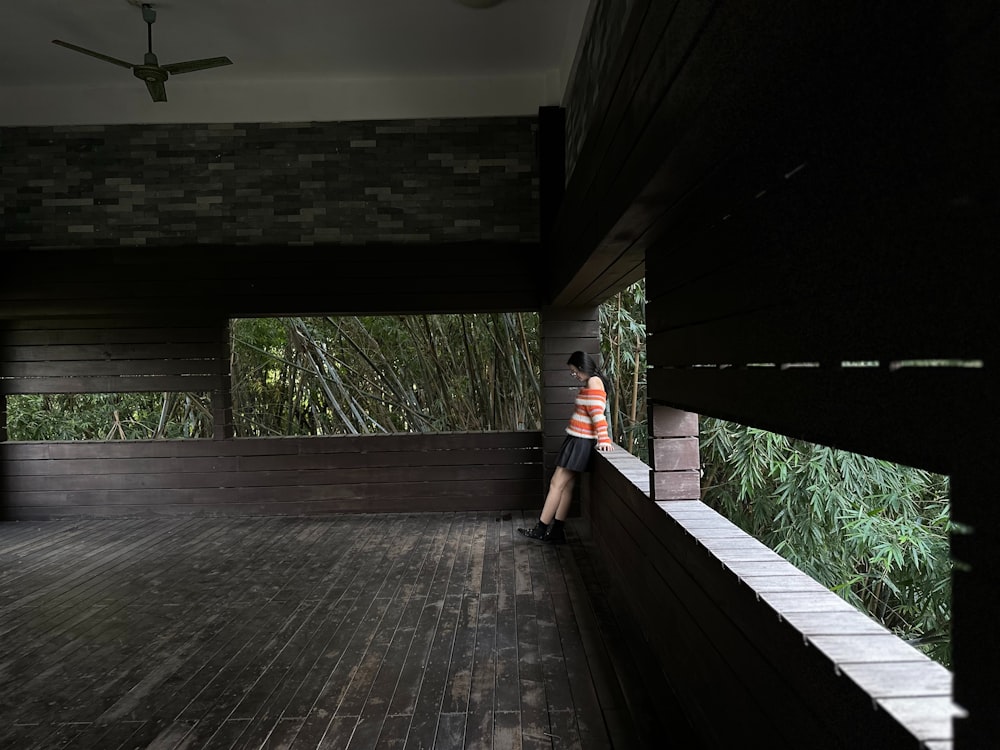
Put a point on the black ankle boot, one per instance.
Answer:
(555, 533)
(538, 532)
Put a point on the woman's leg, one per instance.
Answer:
(559, 496)
(555, 509)
(567, 497)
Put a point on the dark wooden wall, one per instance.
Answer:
(113, 354)
(271, 476)
(809, 188)
(801, 186)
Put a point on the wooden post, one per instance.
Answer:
(975, 595)
(222, 395)
(675, 465)
(4, 434)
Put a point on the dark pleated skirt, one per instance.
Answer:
(576, 453)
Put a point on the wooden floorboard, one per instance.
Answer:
(430, 630)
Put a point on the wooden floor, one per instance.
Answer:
(438, 630)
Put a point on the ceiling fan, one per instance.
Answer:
(150, 70)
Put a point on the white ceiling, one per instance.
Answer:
(293, 60)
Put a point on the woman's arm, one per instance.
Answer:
(597, 417)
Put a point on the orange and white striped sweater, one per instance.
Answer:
(588, 420)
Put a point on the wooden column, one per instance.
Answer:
(675, 466)
(4, 340)
(222, 395)
(975, 596)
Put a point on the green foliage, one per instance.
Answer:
(623, 338)
(875, 532)
(414, 373)
(108, 416)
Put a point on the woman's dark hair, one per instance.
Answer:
(588, 366)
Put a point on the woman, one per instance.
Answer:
(587, 429)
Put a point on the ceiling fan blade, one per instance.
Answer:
(157, 90)
(192, 65)
(98, 55)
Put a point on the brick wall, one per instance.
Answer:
(280, 183)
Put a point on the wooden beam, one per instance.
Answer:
(914, 416)
(256, 281)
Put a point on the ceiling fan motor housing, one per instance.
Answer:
(150, 73)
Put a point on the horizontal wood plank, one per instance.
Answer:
(81, 355)
(920, 419)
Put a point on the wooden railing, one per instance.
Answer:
(269, 476)
(755, 651)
